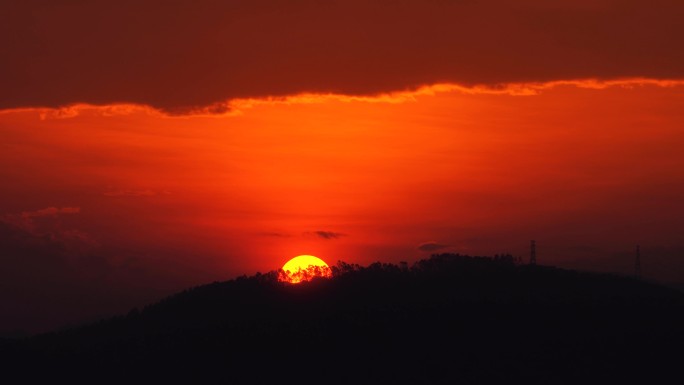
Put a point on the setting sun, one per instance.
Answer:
(304, 268)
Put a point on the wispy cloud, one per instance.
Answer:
(25, 219)
(328, 235)
(432, 246)
(50, 211)
(275, 234)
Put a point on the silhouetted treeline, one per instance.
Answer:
(447, 319)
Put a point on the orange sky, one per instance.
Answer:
(588, 171)
(149, 145)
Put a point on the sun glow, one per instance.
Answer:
(304, 268)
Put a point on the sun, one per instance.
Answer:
(304, 268)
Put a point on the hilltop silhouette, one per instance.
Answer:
(446, 319)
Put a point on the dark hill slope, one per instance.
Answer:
(449, 319)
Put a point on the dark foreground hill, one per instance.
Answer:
(449, 319)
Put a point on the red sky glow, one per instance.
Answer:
(135, 163)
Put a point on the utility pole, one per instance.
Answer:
(533, 253)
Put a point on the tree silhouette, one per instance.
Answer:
(449, 318)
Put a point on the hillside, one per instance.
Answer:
(447, 319)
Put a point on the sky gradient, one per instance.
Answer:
(149, 146)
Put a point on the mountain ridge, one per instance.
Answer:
(442, 320)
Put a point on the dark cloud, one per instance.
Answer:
(326, 234)
(275, 234)
(432, 246)
(51, 277)
(179, 55)
(35, 221)
(44, 225)
(43, 283)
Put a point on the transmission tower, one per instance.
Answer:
(637, 263)
(533, 253)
